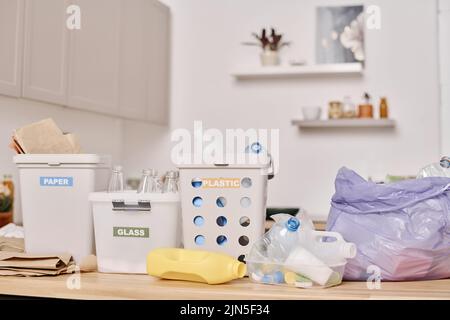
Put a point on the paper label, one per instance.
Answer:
(56, 181)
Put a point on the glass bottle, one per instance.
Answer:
(149, 181)
(366, 109)
(349, 108)
(116, 180)
(171, 182)
(384, 109)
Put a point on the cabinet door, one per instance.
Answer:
(159, 64)
(134, 44)
(11, 46)
(46, 51)
(94, 57)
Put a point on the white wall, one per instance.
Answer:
(97, 134)
(401, 64)
(444, 56)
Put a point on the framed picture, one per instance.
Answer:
(340, 34)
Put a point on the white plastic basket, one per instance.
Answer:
(129, 225)
(233, 210)
(54, 189)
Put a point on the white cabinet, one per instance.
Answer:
(116, 64)
(119, 61)
(94, 57)
(444, 5)
(159, 62)
(135, 46)
(46, 51)
(11, 43)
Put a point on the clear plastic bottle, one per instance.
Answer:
(149, 182)
(171, 182)
(116, 180)
(441, 169)
(282, 238)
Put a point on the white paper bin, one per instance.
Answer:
(129, 225)
(54, 192)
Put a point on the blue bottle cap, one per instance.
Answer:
(293, 224)
(255, 147)
(278, 277)
(445, 162)
(266, 279)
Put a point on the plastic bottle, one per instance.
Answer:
(116, 180)
(194, 265)
(282, 238)
(149, 182)
(441, 169)
(303, 262)
(171, 182)
(333, 252)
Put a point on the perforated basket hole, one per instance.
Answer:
(246, 182)
(199, 221)
(244, 221)
(200, 240)
(196, 182)
(197, 202)
(221, 240)
(221, 202)
(246, 202)
(244, 240)
(221, 221)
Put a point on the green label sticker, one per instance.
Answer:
(131, 232)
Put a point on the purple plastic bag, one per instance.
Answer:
(403, 228)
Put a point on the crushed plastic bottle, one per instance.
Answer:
(441, 169)
(278, 242)
(293, 253)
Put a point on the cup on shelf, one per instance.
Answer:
(311, 113)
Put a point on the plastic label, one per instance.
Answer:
(131, 232)
(226, 183)
(56, 181)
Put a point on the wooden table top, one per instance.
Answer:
(123, 286)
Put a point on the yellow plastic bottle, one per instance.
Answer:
(194, 265)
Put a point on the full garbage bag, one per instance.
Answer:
(403, 228)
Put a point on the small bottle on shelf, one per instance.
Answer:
(384, 108)
(366, 109)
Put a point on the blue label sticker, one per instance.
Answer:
(56, 181)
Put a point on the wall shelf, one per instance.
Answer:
(346, 123)
(297, 71)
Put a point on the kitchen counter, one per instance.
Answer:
(122, 286)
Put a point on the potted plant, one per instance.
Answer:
(271, 46)
(6, 204)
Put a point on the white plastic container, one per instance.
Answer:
(233, 206)
(54, 190)
(129, 225)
